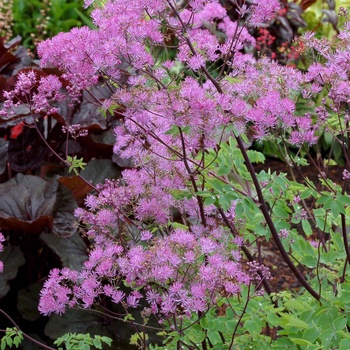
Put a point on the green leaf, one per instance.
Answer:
(312, 334)
(255, 156)
(107, 340)
(294, 321)
(306, 193)
(296, 305)
(300, 341)
(345, 200)
(9, 341)
(323, 199)
(207, 322)
(340, 323)
(214, 337)
(252, 326)
(327, 337)
(328, 203)
(196, 333)
(210, 200)
(97, 343)
(306, 227)
(176, 225)
(86, 20)
(281, 212)
(174, 130)
(344, 344)
(216, 184)
(223, 170)
(273, 319)
(337, 208)
(17, 340)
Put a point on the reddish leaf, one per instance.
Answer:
(17, 130)
(77, 186)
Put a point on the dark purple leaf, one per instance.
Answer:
(3, 154)
(27, 203)
(27, 151)
(28, 300)
(12, 258)
(331, 17)
(71, 250)
(64, 220)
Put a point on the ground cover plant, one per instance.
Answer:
(35, 20)
(177, 243)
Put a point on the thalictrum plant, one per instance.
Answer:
(178, 238)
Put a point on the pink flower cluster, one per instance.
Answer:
(39, 95)
(184, 272)
(140, 253)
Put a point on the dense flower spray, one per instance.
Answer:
(156, 240)
(151, 231)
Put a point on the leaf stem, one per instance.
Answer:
(270, 223)
(24, 334)
(67, 164)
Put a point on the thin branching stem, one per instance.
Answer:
(24, 334)
(265, 212)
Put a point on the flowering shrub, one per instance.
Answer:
(179, 236)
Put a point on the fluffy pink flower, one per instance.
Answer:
(263, 11)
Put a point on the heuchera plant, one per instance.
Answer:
(179, 236)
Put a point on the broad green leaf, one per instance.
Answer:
(196, 333)
(281, 212)
(223, 170)
(345, 200)
(273, 319)
(344, 344)
(252, 326)
(294, 321)
(255, 156)
(306, 227)
(300, 341)
(306, 193)
(207, 322)
(296, 305)
(312, 334)
(214, 337)
(340, 323)
(337, 208)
